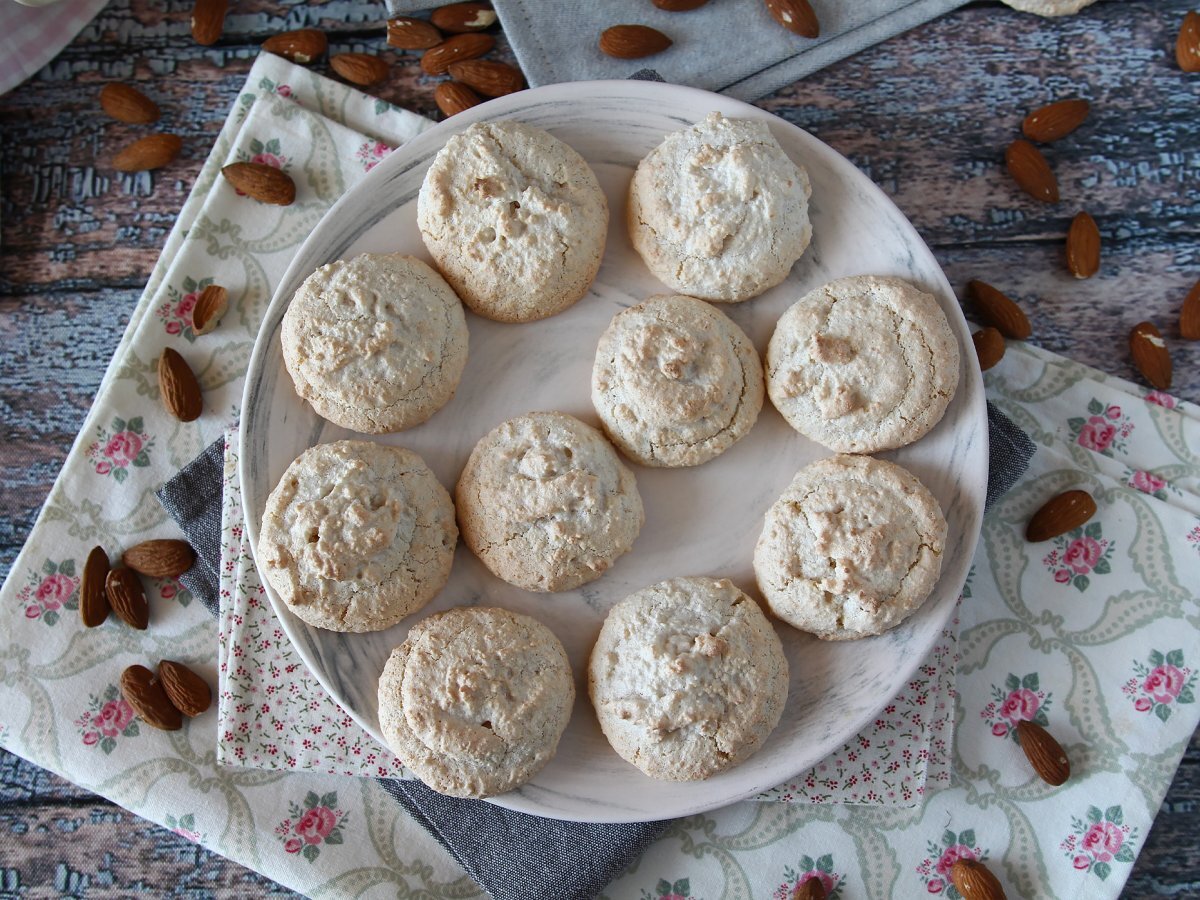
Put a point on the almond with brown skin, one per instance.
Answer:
(179, 388)
(1060, 514)
(796, 16)
(1150, 354)
(362, 69)
(93, 595)
(810, 890)
(1187, 45)
(127, 104)
(437, 60)
(459, 18)
(999, 311)
(1045, 754)
(187, 691)
(989, 347)
(264, 183)
(127, 598)
(208, 20)
(1083, 246)
(160, 558)
(1030, 170)
(452, 97)
(632, 41)
(492, 79)
(1055, 120)
(679, 5)
(301, 46)
(210, 307)
(149, 699)
(408, 33)
(1189, 316)
(151, 152)
(975, 881)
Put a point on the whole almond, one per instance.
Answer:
(1083, 246)
(160, 558)
(975, 881)
(436, 60)
(210, 307)
(989, 347)
(1189, 316)
(999, 311)
(1045, 754)
(492, 79)
(458, 18)
(93, 595)
(362, 69)
(408, 33)
(1030, 170)
(264, 183)
(151, 152)
(633, 41)
(208, 20)
(1187, 45)
(179, 388)
(1060, 514)
(679, 5)
(1150, 354)
(452, 97)
(796, 16)
(810, 890)
(301, 46)
(127, 104)
(1055, 120)
(187, 691)
(127, 598)
(149, 699)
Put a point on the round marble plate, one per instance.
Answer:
(699, 521)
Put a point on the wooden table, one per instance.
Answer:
(926, 115)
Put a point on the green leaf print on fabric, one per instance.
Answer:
(123, 445)
(108, 717)
(1160, 686)
(1078, 555)
(317, 822)
(1099, 840)
(49, 591)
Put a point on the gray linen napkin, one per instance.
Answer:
(513, 856)
(730, 46)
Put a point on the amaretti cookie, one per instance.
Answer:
(852, 548)
(863, 364)
(546, 504)
(719, 211)
(475, 700)
(377, 343)
(675, 382)
(515, 219)
(1050, 8)
(688, 678)
(357, 535)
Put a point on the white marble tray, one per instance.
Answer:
(703, 520)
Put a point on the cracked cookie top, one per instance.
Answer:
(719, 211)
(475, 700)
(546, 504)
(377, 343)
(688, 678)
(675, 382)
(357, 535)
(852, 548)
(515, 219)
(863, 364)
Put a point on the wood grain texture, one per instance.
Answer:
(926, 115)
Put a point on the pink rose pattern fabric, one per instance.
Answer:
(371, 153)
(1162, 686)
(119, 449)
(934, 870)
(1099, 840)
(679, 889)
(1105, 429)
(108, 717)
(807, 869)
(1019, 700)
(175, 312)
(312, 826)
(50, 592)
(1079, 556)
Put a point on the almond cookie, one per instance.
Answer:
(863, 364)
(357, 535)
(1050, 7)
(515, 219)
(719, 211)
(546, 504)
(852, 548)
(475, 700)
(688, 678)
(675, 382)
(377, 343)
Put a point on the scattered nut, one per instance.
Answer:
(1060, 514)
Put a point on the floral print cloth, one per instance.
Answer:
(1108, 664)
